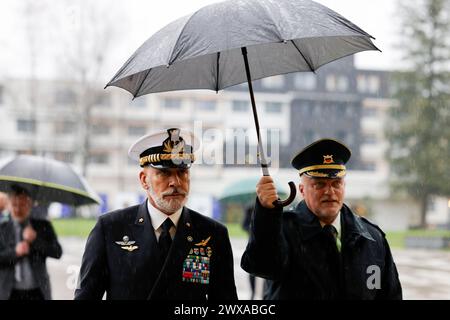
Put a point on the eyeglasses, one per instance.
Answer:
(336, 184)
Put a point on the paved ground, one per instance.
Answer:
(423, 274)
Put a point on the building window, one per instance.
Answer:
(26, 126)
(64, 127)
(102, 100)
(307, 108)
(370, 139)
(330, 82)
(100, 129)
(65, 97)
(305, 81)
(206, 105)
(347, 110)
(368, 84)
(336, 83)
(374, 84)
(369, 166)
(137, 130)
(275, 82)
(99, 158)
(370, 112)
(361, 83)
(342, 84)
(172, 104)
(240, 106)
(64, 156)
(273, 107)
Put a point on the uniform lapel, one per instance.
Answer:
(309, 224)
(172, 268)
(146, 256)
(352, 228)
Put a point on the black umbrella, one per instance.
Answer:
(47, 180)
(238, 41)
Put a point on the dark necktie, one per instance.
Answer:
(333, 256)
(165, 240)
(19, 269)
(332, 235)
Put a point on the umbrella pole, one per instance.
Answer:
(261, 155)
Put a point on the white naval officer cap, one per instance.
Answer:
(166, 148)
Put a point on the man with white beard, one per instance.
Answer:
(159, 250)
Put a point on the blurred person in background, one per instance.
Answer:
(4, 210)
(25, 244)
(246, 226)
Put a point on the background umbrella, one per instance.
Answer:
(47, 180)
(236, 41)
(243, 191)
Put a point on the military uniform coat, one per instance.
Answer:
(45, 245)
(135, 273)
(291, 250)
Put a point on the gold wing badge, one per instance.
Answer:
(126, 244)
(203, 243)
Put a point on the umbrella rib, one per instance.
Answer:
(303, 56)
(172, 59)
(217, 72)
(142, 82)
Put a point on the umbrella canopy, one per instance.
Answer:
(47, 180)
(241, 40)
(203, 50)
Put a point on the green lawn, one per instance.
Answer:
(396, 239)
(76, 227)
(81, 228)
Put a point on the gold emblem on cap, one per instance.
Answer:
(141, 220)
(328, 159)
(190, 239)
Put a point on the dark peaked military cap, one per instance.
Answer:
(325, 158)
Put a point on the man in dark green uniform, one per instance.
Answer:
(320, 250)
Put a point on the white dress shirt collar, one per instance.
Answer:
(157, 217)
(336, 223)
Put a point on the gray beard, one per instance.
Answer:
(169, 206)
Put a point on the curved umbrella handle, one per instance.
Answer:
(283, 203)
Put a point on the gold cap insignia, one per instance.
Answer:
(328, 159)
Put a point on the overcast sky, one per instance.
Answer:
(146, 17)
